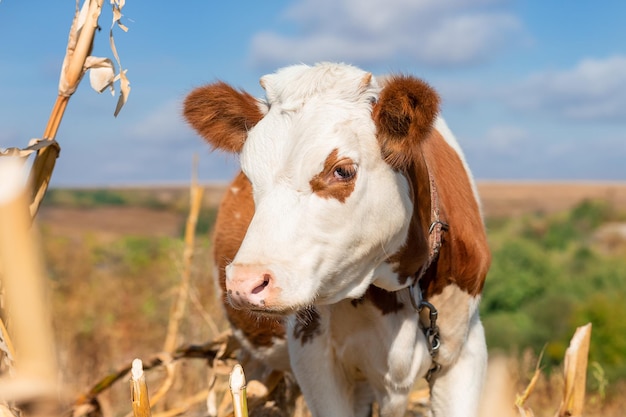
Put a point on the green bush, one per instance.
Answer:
(132, 254)
(85, 198)
(518, 274)
(547, 278)
(98, 197)
(590, 214)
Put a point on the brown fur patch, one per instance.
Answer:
(233, 218)
(404, 115)
(330, 183)
(222, 115)
(464, 258)
(387, 302)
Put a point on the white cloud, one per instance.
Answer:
(595, 89)
(431, 32)
(466, 38)
(546, 151)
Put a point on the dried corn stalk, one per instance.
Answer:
(521, 399)
(575, 373)
(178, 307)
(6, 347)
(78, 60)
(139, 390)
(237, 384)
(22, 278)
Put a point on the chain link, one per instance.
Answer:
(431, 330)
(432, 335)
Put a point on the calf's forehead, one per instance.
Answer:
(312, 113)
(296, 144)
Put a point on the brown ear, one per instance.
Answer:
(404, 116)
(222, 115)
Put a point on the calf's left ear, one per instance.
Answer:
(222, 115)
(404, 115)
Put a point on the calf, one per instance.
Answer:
(351, 248)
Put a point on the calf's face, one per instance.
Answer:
(331, 202)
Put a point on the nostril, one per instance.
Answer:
(265, 283)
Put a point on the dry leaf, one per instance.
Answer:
(5, 411)
(124, 82)
(124, 92)
(117, 14)
(101, 73)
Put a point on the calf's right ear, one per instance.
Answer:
(222, 115)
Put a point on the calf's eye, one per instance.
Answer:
(344, 172)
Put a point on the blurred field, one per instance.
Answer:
(159, 211)
(114, 261)
(503, 199)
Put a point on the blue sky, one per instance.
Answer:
(534, 90)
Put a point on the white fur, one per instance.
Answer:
(363, 357)
(456, 390)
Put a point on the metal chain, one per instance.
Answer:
(431, 330)
(432, 335)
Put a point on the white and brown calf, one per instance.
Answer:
(321, 237)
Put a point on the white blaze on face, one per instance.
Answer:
(328, 209)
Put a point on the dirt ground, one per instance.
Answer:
(499, 199)
(503, 199)
(110, 222)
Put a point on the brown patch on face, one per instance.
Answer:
(307, 325)
(337, 178)
(464, 258)
(222, 115)
(233, 218)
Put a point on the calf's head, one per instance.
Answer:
(325, 154)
